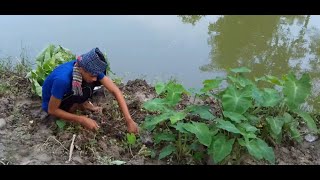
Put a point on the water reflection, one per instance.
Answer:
(266, 44)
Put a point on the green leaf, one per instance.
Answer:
(174, 93)
(294, 132)
(131, 138)
(274, 80)
(180, 127)
(254, 120)
(240, 70)
(287, 118)
(271, 79)
(201, 131)
(61, 124)
(296, 91)
(241, 142)
(242, 81)
(166, 151)
(151, 121)
(228, 126)
(177, 116)
(220, 148)
(38, 88)
(292, 125)
(276, 124)
(160, 87)
(154, 105)
(248, 127)
(236, 100)
(210, 84)
(202, 110)
(266, 98)
(260, 149)
(270, 98)
(309, 120)
(236, 117)
(164, 137)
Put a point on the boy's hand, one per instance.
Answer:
(132, 127)
(89, 123)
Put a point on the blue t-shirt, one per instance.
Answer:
(59, 83)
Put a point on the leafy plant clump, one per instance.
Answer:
(47, 61)
(252, 117)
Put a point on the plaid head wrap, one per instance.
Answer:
(92, 62)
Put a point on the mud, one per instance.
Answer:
(29, 137)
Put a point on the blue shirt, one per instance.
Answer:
(59, 83)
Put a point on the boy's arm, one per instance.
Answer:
(112, 88)
(54, 110)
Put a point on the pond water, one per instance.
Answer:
(187, 48)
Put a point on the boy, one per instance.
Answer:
(70, 85)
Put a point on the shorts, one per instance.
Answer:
(69, 99)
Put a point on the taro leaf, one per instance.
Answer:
(241, 141)
(160, 87)
(246, 134)
(267, 97)
(242, 81)
(238, 101)
(131, 138)
(210, 84)
(201, 131)
(177, 116)
(155, 105)
(294, 132)
(180, 127)
(248, 127)
(37, 88)
(164, 137)
(220, 148)
(274, 80)
(260, 149)
(309, 120)
(61, 124)
(275, 124)
(152, 121)
(296, 91)
(228, 126)
(254, 120)
(202, 110)
(166, 151)
(270, 97)
(236, 117)
(292, 125)
(287, 118)
(271, 79)
(240, 70)
(174, 93)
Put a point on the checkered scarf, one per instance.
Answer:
(77, 80)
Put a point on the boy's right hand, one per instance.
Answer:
(89, 123)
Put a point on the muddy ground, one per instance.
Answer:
(29, 137)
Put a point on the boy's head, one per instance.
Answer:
(92, 64)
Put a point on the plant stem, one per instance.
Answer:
(256, 110)
(179, 146)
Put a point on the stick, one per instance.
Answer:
(52, 137)
(71, 147)
(131, 151)
(3, 163)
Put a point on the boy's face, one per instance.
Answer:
(88, 77)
